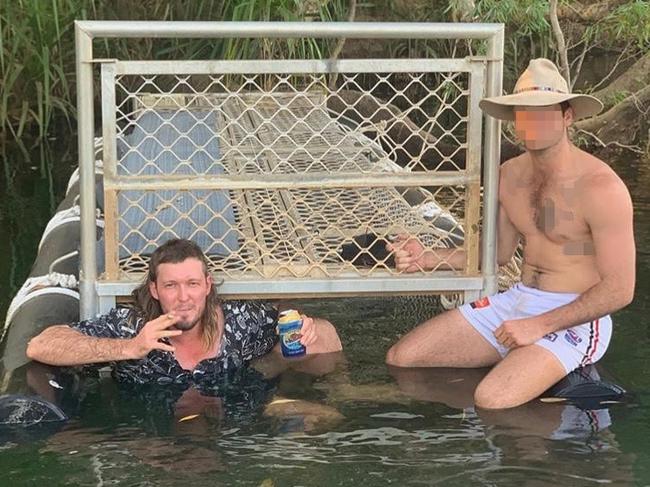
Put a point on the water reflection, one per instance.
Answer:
(455, 388)
(314, 426)
(548, 439)
(348, 424)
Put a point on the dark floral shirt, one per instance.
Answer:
(249, 332)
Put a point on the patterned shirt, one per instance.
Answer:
(249, 332)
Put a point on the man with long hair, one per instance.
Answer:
(573, 215)
(178, 329)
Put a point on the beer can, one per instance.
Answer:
(289, 325)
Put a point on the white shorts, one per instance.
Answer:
(574, 347)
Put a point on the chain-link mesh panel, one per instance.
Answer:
(293, 123)
(187, 127)
(294, 232)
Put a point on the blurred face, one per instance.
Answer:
(541, 127)
(182, 289)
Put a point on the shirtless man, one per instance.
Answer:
(573, 215)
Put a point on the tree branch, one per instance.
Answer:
(576, 73)
(561, 45)
(633, 148)
(621, 124)
(635, 78)
(339, 45)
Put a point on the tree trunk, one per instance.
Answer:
(561, 45)
(632, 80)
(625, 123)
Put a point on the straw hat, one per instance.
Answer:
(540, 85)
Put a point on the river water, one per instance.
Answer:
(359, 424)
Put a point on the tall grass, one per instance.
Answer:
(37, 47)
(34, 65)
(37, 40)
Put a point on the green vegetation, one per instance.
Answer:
(628, 23)
(37, 57)
(37, 40)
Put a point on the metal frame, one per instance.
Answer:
(97, 296)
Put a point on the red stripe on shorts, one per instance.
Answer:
(591, 342)
(593, 350)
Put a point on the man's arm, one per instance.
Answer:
(507, 238)
(411, 256)
(62, 345)
(608, 211)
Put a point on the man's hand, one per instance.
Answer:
(308, 331)
(519, 333)
(149, 337)
(409, 254)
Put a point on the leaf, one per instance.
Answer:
(188, 418)
(552, 399)
(282, 401)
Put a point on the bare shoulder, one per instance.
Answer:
(601, 188)
(513, 171)
(515, 165)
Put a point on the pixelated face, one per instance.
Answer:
(541, 127)
(182, 289)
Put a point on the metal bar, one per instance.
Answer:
(473, 168)
(106, 303)
(109, 123)
(349, 30)
(292, 66)
(379, 283)
(86, 123)
(332, 286)
(111, 234)
(491, 158)
(472, 295)
(474, 120)
(282, 181)
(109, 152)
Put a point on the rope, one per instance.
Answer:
(74, 177)
(72, 214)
(53, 283)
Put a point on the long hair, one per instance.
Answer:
(173, 252)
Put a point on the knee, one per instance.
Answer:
(486, 397)
(397, 356)
(328, 338)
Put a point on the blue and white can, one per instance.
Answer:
(289, 326)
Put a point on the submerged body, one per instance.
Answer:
(179, 329)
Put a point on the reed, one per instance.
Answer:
(37, 47)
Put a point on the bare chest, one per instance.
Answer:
(189, 356)
(550, 211)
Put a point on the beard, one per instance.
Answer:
(186, 325)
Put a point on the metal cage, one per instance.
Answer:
(290, 183)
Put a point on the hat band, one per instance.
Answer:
(539, 88)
